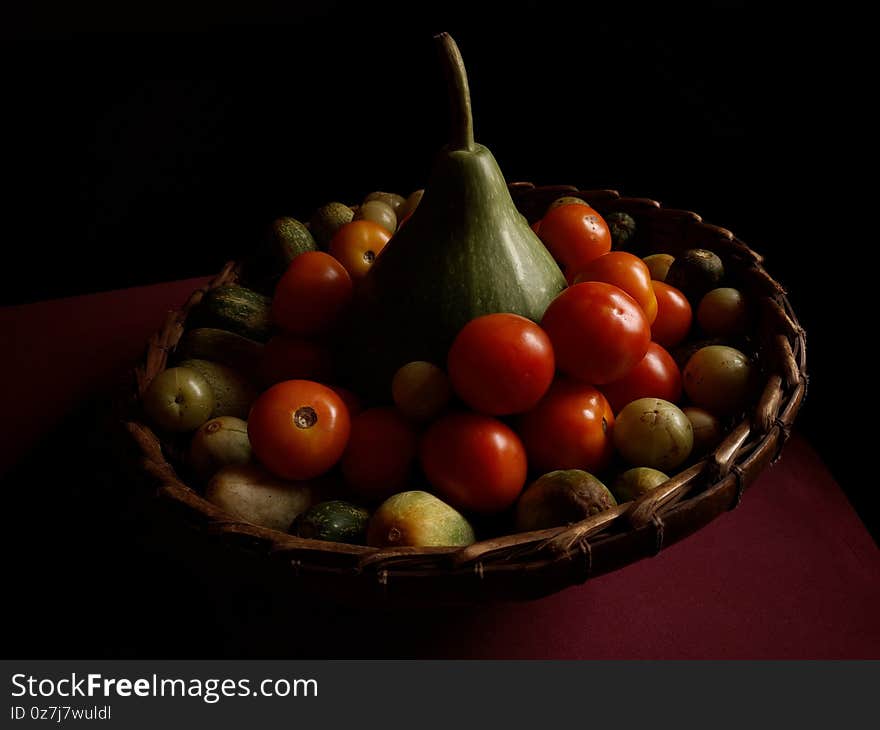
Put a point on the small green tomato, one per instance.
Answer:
(633, 483)
(724, 312)
(179, 399)
(420, 390)
(719, 379)
(708, 431)
(653, 432)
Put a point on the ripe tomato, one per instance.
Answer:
(380, 454)
(501, 364)
(674, 315)
(352, 402)
(574, 235)
(598, 332)
(475, 462)
(655, 376)
(298, 429)
(290, 358)
(312, 295)
(357, 244)
(569, 429)
(626, 271)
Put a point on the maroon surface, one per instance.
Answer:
(791, 573)
(57, 353)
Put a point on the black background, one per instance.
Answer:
(144, 147)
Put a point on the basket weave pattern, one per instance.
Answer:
(528, 565)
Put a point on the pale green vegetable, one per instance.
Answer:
(219, 442)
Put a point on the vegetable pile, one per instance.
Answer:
(433, 370)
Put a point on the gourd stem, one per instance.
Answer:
(462, 137)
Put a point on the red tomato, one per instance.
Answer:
(352, 402)
(575, 235)
(298, 429)
(674, 315)
(536, 226)
(357, 244)
(312, 295)
(626, 271)
(290, 358)
(501, 364)
(598, 332)
(655, 376)
(380, 454)
(569, 429)
(475, 462)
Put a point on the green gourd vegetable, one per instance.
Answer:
(466, 251)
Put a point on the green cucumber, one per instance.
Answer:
(285, 239)
(236, 309)
(335, 521)
(233, 394)
(227, 348)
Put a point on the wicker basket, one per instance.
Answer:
(534, 564)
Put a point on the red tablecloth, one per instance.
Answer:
(791, 573)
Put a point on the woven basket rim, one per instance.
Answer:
(754, 443)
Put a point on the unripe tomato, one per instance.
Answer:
(674, 315)
(655, 433)
(656, 375)
(380, 454)
(357, 244)
(598, 331)
(724, 312)
(708, 430)
(179, 399)
(574, 235)
(420, 390)
(501, 364)
(312, 295)
(569, 429)
(626, 271)
(298, 429)
(719, 379)
(475, 462)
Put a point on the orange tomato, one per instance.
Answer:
(312, 295)
(357, 244)
(574, 235)
(298, 429)
(674, 315)
(380, 454)
(627, 272)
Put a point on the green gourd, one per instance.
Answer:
(466, 251)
